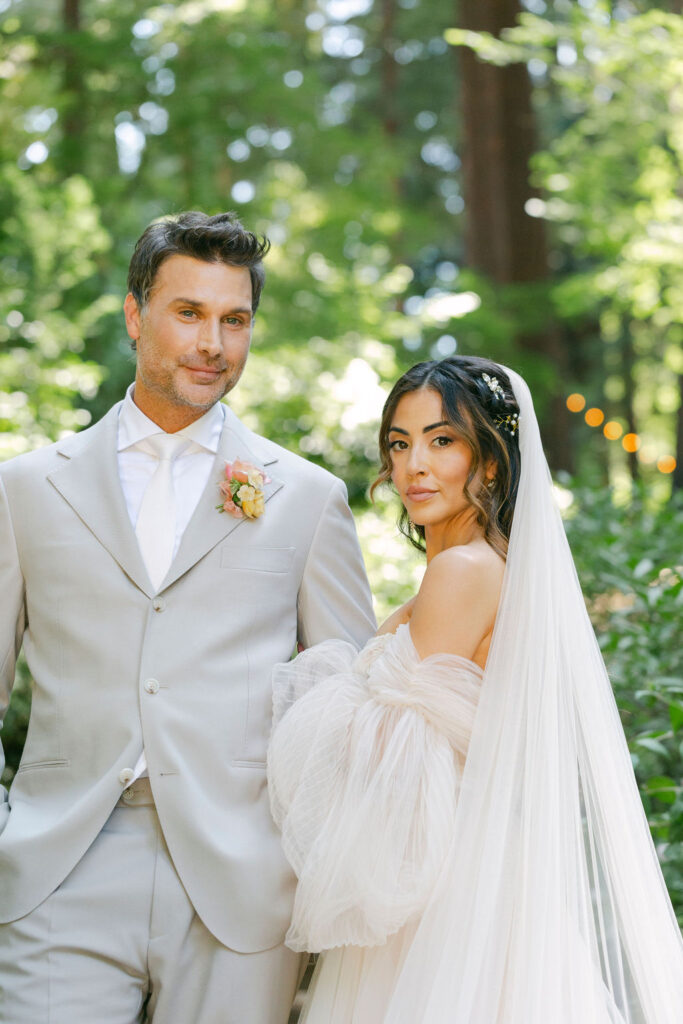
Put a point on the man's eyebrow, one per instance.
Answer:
(198, 304)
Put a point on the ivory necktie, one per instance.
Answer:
(156, 524)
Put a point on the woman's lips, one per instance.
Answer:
(419, 495)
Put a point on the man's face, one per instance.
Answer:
(192, 337)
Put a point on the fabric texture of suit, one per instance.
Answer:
(237, 597)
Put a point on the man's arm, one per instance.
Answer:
(12, 622)
(334, 597)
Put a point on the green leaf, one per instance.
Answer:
(645, 565)
(654, 745)
(676, 716)
(662, 787)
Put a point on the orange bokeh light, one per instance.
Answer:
(666, 464)
(576, 402)
(612, 430)
(631, 442)
(594, 417)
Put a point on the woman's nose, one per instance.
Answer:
(416, 460)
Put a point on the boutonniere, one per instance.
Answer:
(242, 490)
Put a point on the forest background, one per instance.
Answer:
(488, 177)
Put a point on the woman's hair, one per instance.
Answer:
(478, 401)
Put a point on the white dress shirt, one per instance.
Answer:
(191, 470)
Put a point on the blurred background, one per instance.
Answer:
(493, 177)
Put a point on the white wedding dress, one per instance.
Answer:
(365, 764)
(471, 846)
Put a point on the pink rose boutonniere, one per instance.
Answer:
(242, 490)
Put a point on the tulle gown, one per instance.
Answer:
(364, 770)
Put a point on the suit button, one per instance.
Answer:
(128, 794)
(158, 604)
(152, 686)
(126, 776)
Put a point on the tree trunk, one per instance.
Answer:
(501, 240)
(73, 118)
(628, 365)
(677, 480)
(389, 68)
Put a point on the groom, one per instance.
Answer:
(141, 876)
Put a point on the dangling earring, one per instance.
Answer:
(491, 483)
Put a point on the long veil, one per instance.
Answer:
(551, 908)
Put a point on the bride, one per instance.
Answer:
(457, 799)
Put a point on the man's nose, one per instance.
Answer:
(210, 336)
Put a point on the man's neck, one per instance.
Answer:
(169, 418)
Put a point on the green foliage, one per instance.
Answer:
(608, 94)
(629, 561)
(50, 240)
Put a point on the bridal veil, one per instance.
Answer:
(551, 907)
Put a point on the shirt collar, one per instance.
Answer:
(134, 426)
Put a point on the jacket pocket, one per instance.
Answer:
(257, 559)
(29, 766)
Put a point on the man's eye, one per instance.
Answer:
(187, 313)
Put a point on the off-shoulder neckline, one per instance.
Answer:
(404, 631)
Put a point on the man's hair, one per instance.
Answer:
(217, 239)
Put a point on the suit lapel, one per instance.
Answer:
(89, 481)
(208, 527)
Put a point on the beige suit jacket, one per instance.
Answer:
(236, 599)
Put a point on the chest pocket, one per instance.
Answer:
(253, 559)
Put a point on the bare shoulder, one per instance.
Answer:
(398, 618)
(457, 603)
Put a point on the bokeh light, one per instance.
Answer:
(612, 430)
(631, 442)
(594, 417)
(666, 464)
(576, 402)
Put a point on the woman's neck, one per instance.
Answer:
(461, 530)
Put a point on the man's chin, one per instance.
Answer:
(202, 396)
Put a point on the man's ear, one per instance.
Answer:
(131, 311)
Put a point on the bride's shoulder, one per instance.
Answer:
(456, 605)
(397, 618)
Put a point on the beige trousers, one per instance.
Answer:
(118, 942)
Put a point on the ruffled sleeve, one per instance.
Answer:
(364, 767)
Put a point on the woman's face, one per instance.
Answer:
(430, 461)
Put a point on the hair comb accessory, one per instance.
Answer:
(509, 422)
(493, 385)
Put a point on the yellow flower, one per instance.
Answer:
(251, 501)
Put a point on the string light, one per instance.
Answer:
(594, 417)
(612, 430)
(666, 464)
(576, 402)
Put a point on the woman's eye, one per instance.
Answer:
(442, 441)
(397, 445)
